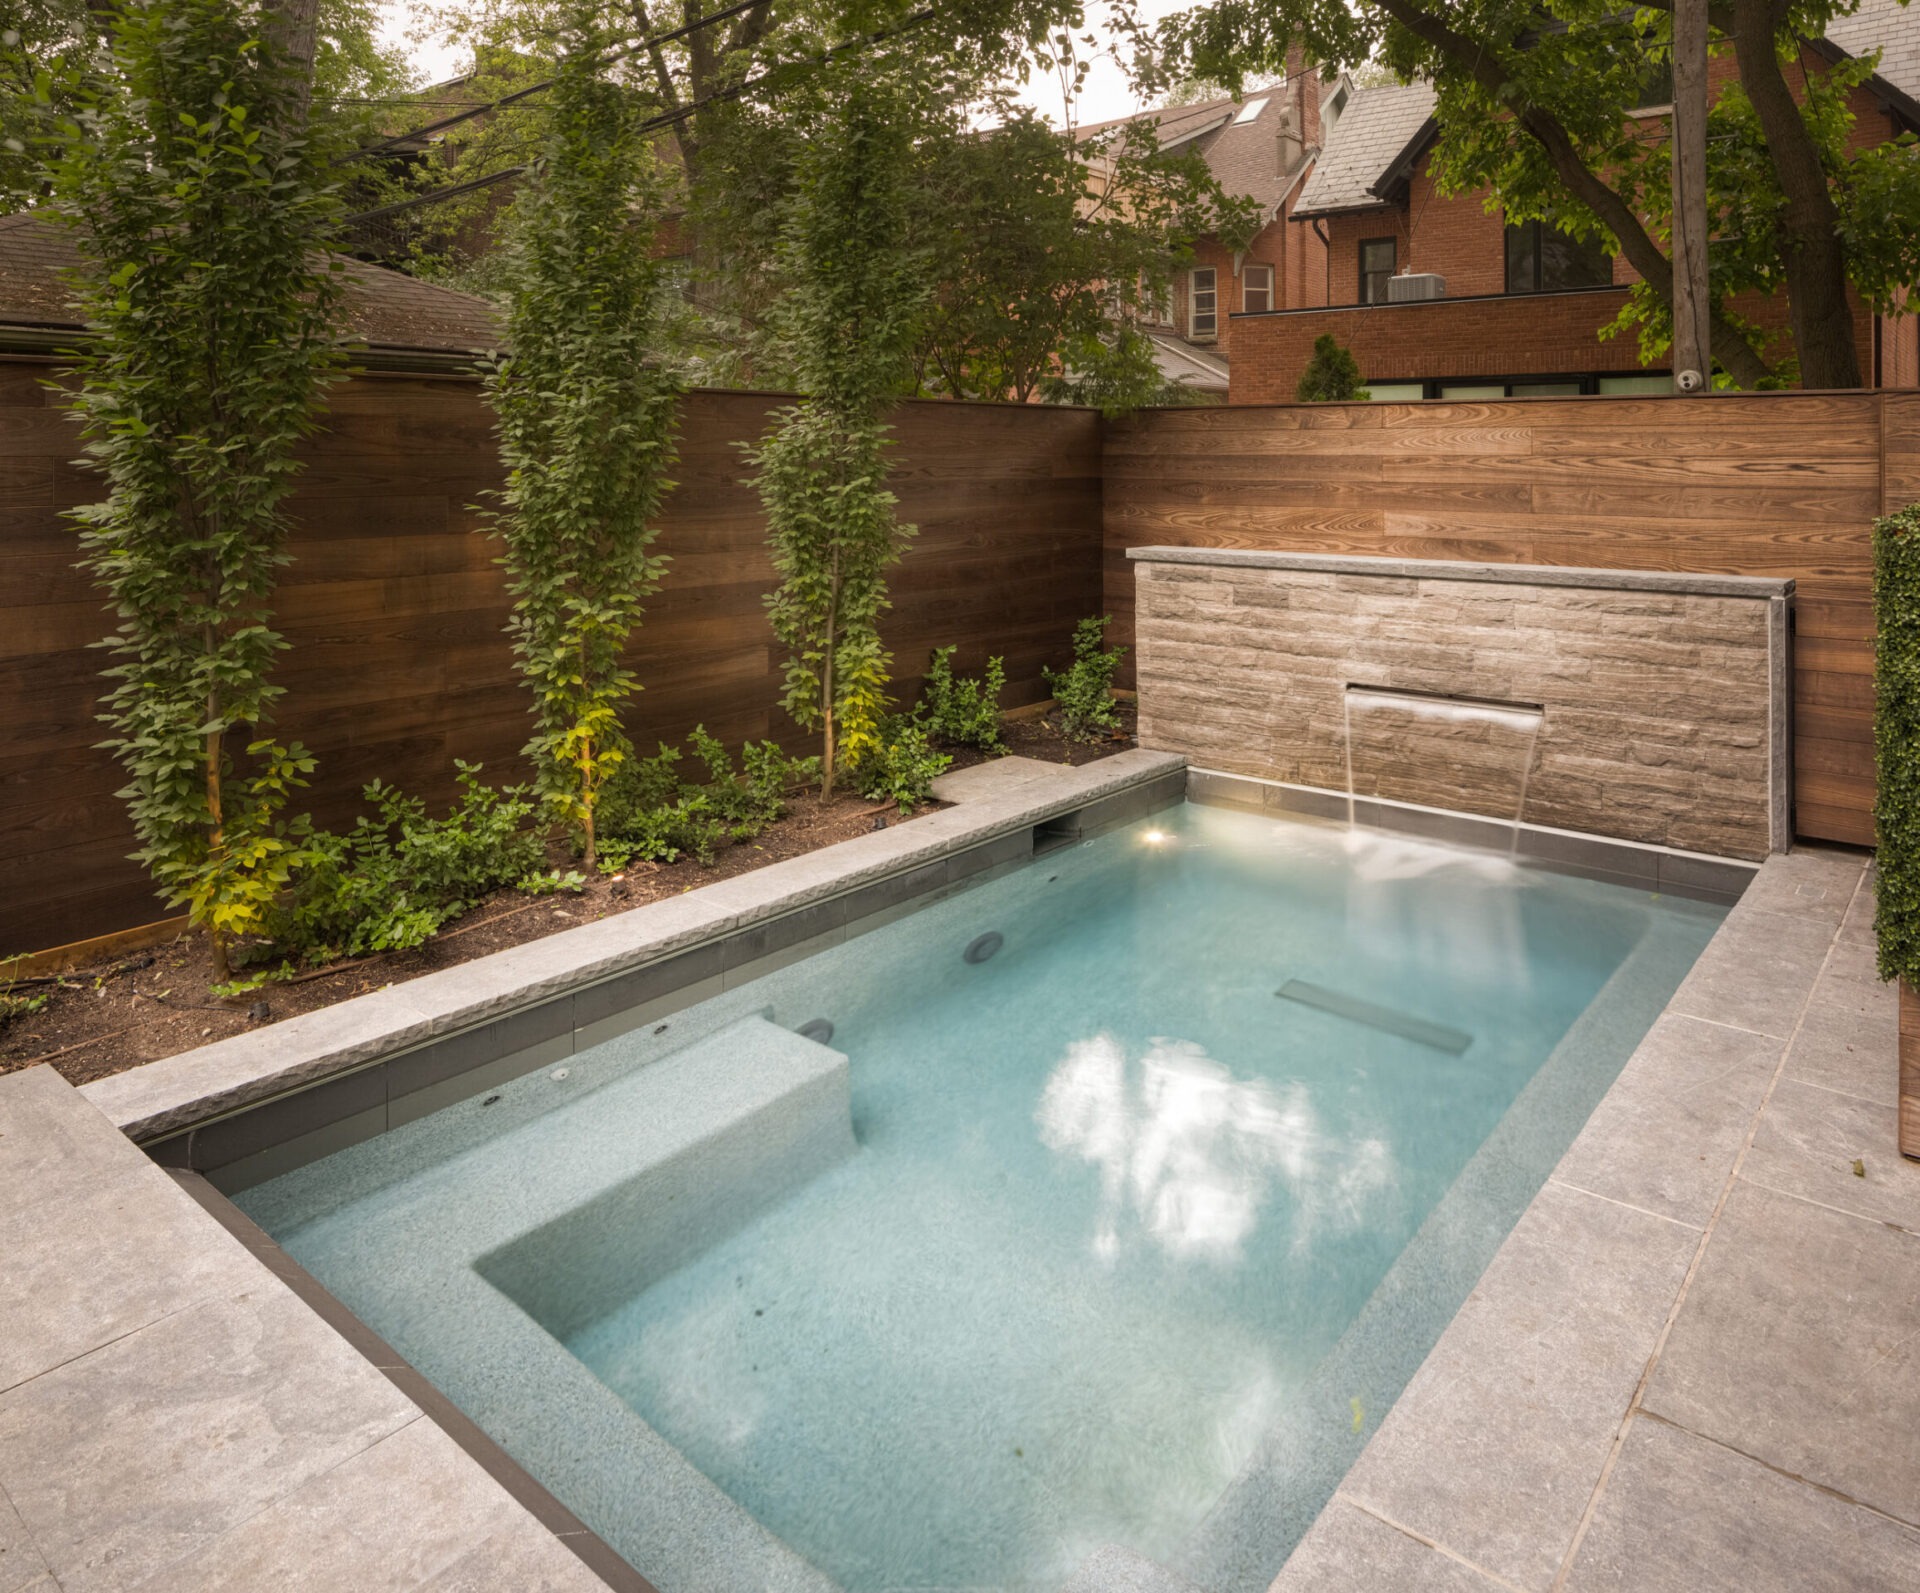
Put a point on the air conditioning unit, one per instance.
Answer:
(1415, 286)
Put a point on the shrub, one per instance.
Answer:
(1332, 375)
(959, 711)
(649, 812)
(397, 876)
(903, 765)
(1896, 741)
(1083, 689)
(13, 1006)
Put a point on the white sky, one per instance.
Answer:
(1106, 94)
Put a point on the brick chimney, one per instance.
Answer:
(1303, 96)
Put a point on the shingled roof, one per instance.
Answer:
(1379, 125)
(389, 312)
(1889, 27)
(1238, 139)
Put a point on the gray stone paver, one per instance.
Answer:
(1774, 1442)
(21, 1563)
(179, 1419)
(151, 1448)
(1348, 1549)
(1799, 1344)
(1684, 1515)
(1667, 1133)
(1496, 1445)
(412, 1511)
(1757, 972)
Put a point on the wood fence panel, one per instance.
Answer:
(1781, 484)
(393, 608)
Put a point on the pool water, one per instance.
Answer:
(1130, 1249)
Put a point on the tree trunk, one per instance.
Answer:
(1735, 354)
(295, 23)
(1816, 260)
(1692, 335)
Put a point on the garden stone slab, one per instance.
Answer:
(990, 779)
(1757, 971)
(1496, 1445)
(97, 1263)
(1809, 1141)
(127, 1460)
(1857, 928)
(1346, 1548)
(400, 1515)
(1683, 1515)
(1812, 882)
(1666, 1135)
(1798, 1345)
(1849, 1036)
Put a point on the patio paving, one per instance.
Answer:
(1695, 1364)
(186, 1422)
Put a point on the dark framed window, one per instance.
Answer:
(1203, 303)
(1540, 258)
(1376, 269)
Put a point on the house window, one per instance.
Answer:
(1156, 301)
(1256, 289)
(1541, 257)
(1203, 303)
(1376, 269)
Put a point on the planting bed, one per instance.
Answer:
(140, 1006)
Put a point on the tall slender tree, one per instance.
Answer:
(586, 419)
(849, 323)
(180, 160)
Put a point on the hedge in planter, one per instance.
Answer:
(1896, 738)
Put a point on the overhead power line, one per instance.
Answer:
(654, 123)
(381, 146)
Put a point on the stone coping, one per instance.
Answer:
(1692, 1362)
(1679, 583)
(162, 1098)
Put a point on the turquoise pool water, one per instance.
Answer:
(1127, 1248)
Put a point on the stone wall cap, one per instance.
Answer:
(1685, 584)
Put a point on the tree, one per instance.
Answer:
(1332, 375)
(194, 197)
(586, 419)
(850, 321)
(1537, 105)
(51, 41)
(1048, 252)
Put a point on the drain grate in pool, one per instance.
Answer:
(1374, 1016)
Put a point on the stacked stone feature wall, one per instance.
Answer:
(1659, 720)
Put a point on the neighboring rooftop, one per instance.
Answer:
(390, 312)
(1239, 139)
(1367, 142)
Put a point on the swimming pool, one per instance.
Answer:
(1123, 1229)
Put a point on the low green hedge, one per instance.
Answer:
(1896, 740)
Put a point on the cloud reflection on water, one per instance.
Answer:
(1193, 1152)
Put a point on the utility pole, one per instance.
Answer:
(1692, 359)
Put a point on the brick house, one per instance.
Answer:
(1262, 147)
(1514, 311)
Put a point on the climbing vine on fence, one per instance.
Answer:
(1896, 738)
(181, 161)
(586, 420)
(849, 322)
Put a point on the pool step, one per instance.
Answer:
(663, 1163)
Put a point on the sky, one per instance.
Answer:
(1106, 94)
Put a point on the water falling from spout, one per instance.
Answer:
(1520, 718)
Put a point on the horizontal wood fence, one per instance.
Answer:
(394, 608)
(1778, 484)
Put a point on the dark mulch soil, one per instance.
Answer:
(149, 1004)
